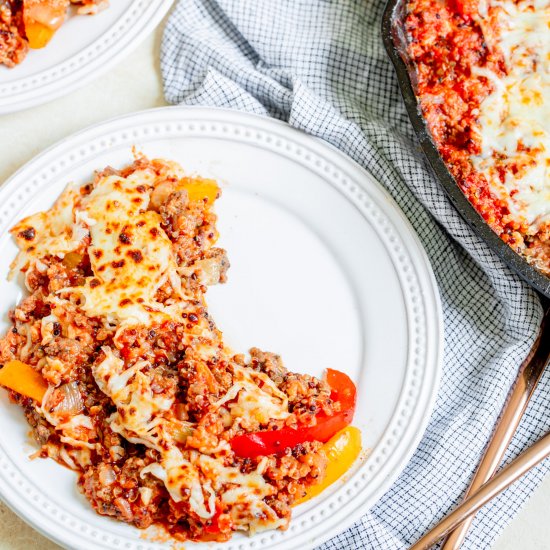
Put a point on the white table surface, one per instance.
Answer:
(133, 85)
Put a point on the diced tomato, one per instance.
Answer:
(466, 8)
(214, 527)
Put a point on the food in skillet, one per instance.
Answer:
(125, 378)
(483, 80)
(28, 24)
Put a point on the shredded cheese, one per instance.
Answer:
(130, 253)
(514, 120)
(51, 233)
(249, 400)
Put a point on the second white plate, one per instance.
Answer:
(325, 270)
(82, 49)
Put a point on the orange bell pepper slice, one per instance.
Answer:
(342, 451)
(41, 20)
(38, 35)
(23, 379)
(199, 189)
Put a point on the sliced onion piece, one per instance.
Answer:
(107, 475)
(71, 403)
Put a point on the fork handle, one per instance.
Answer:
(529, 374)
(521, 465)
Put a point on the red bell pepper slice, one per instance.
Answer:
(276, 442)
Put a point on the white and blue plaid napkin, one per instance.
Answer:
(320, 65)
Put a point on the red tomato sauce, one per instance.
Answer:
(447, 45)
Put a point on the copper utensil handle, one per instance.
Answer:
(521, 465)
(529, 374)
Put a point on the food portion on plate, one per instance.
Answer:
(482, 76)
(31, 24)
(125, 378)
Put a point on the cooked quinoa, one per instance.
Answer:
(143, 394)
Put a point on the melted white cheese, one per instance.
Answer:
(130, 254)
(47, 328)
(200, 478)
(52, 233)
(138, 406)
(254, 396)
(143, 417)
(514, 121)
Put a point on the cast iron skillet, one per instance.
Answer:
(393, 34)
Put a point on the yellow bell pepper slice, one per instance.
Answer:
(23, 379)
(342, 451)
(199, 189)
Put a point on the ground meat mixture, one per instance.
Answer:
(13, 45)
(143, 397)
(445, 46)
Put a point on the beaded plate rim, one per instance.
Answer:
(424, 318)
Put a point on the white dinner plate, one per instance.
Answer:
(325, 270)
(83, 48)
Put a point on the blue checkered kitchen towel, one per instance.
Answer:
(320, 66)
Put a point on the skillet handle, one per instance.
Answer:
(529, 374)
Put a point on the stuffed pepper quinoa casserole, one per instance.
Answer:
(124, 377)
(482, 75)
